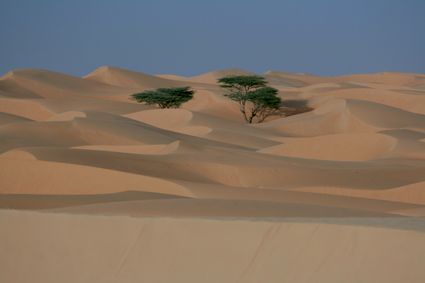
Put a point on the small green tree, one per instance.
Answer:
(265, 102)
(165, 97)
(255, 98)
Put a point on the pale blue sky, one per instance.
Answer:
(326, 37)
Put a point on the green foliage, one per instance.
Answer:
(242, 83)
(255, 98)
(264, 103)
(165, 97)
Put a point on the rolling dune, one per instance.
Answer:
(95, 187)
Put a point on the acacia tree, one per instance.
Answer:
(255, 98)
(165, 97)
(265, 102)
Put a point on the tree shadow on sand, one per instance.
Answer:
(294, 106)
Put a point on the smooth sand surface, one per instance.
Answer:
(85, 248)
(95, 187)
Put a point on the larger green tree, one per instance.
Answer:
(165, 97)
(255, 98)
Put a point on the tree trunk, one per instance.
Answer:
(242, 109)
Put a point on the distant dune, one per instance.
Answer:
(95, 187)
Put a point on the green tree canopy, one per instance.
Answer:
(255, 98)
(242, 83)
(165, 97)
(264, 103)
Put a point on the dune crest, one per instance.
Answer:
(135, 149)
(126, 78)
(18, 154)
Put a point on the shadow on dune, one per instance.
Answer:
(32, 201)
(294, 106)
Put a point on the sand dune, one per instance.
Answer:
(6, 118)
(213, 76)
(49, 84)
(391, 98)
(44, 177)
(412, 193)
(350, 147)
(332, 116)
(128, 79)
(116, 191)
(124, 249)
(26, 109)
(67, 116)
(385, 78)
(135, 149)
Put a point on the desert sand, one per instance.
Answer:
(95, 187)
